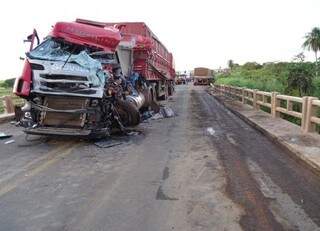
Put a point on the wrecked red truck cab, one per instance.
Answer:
(73, 84)
(88, 78)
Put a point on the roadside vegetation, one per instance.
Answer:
(294, 78)
(297, 78)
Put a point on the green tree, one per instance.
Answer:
(252, 66)
(299, 57)
(300, 78)
(312, 42)
(230, 64)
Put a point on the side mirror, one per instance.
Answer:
(31, 39)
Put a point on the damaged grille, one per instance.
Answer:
(66, 77)
(69, 87)
(64, 119)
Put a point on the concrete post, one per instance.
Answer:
(310, 111)
(289, 105)
(304, 111)
(243, 99)
(255, 106)
(8, 104)
(274, 105)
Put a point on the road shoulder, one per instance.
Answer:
(304, 147)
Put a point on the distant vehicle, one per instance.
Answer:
(202, 76)
(181, 79)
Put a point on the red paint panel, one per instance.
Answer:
(23, 83)
(106, 38)
(149, 52)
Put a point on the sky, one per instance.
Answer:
(199, 33)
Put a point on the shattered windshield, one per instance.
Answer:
(53, 49)
(91, 59)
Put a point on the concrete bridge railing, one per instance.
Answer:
(7, 104)
(304, 108)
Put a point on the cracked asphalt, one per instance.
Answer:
(204, 169)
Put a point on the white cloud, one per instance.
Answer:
(199, 33)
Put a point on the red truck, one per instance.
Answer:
(87, 78)
(148, 56)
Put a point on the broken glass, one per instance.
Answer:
(97, 76)
(49, 50)
(56, 50)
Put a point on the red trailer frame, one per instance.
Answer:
(151, 58)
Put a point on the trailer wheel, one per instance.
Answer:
(148, 97)
(129, 114)
(170, 89)
(166, 93)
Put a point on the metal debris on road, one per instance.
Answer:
(107, 143)
(4, 135)
(210, 131)
(146, 115)
(157, 116)
(165, 112)
(9, 142)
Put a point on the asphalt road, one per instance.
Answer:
(204, 169)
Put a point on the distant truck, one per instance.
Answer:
(202, 76)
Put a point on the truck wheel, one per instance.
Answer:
(148, 97)
(166, 93)
(129, 114)
(170, 89)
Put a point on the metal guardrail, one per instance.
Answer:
(278, 104)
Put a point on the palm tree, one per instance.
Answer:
(230, 64)
(312, 42)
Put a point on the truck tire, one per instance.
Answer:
(147, 93)
(129, 113)
(170, 89)
(166, 93)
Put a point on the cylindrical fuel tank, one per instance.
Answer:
(138, 100)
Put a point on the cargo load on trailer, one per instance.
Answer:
(202, 76)
(87, 78)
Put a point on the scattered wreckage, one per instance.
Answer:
(87, 78)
